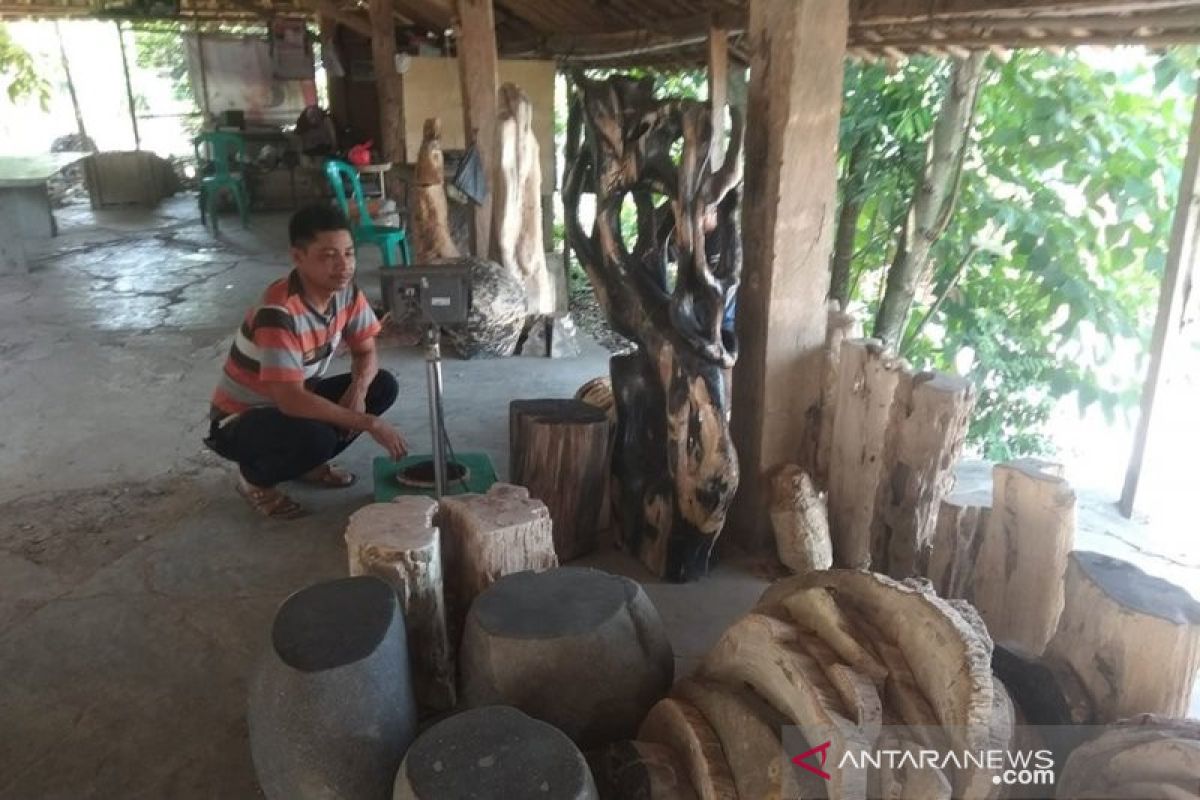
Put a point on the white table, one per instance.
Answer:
(25, 202)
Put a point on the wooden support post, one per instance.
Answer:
(718, 88)
(336, 84)
(479, 71)
(1181, 262)
(137, 137)
(388, 87)
(66, 65)
(793, 113)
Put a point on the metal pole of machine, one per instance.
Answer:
(433, 373)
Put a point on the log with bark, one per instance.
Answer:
(867, 379)
(598, 392)
(517, 240)
(674, 460)
(839, 327)
(430, 231)
(1133, 639)
(398, 542)
(487, 536)
(800, 521)
(957, 537)
(925, 436)
(1017, 583)
(559, 450)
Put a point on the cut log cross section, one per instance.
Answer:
(558, 449)
(1133, 639)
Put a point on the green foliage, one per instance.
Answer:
(159, 47)
(1068, 192)
(18, 72)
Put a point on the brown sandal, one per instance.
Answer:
(270, 502)
(329, 476)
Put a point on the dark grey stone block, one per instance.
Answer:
(493, 753)
(331, 707)
(578, 648)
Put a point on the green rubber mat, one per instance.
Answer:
(480, 476)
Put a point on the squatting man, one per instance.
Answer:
(274, 412)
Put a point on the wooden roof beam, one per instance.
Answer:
(436, 15)
(876, 12)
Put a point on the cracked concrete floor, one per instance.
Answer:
(137, 588)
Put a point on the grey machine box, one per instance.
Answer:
(435, 294)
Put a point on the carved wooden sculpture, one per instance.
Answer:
(431, 226)
(517, 241)
(674, 463)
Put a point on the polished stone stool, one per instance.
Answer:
(331, 707)
(493, 753)
(578, 648)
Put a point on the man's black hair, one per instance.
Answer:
(312, 220)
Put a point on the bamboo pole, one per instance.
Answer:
(137, 137)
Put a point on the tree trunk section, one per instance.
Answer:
(1133, 639)
(430, 230)
(598, 392)
(487, 536)
(517, 201)
(839, 328)
(868, 377)
(642, 770)
(934, 200)
(930, 415)
(1018, 579)
(957, 537)
(800, 520)
(398, 543)
(559, 450)
(680, 726)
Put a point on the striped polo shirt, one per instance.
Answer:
(284, 339)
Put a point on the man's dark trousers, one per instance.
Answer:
(270, 447)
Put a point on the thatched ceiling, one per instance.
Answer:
(645, 31)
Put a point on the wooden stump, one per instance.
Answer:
(800, 521)
(598, 392)
(837, 330)
(487, 536)
(868, 377)
(398, 543)
(1146, 757)
(930, 414)
(957, 537)
(1018, 579)
(1133, 639)
(680, 725)
(559, 450)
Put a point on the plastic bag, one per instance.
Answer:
(470, 179)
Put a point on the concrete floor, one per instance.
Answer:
(137, 588)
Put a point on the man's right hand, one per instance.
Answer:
(389, 438)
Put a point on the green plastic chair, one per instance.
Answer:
(392, 242)
(223, 147)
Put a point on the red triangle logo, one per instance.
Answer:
(821, 750)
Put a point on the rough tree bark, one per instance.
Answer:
(675, 461)
(934, 200)
(853, 195)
